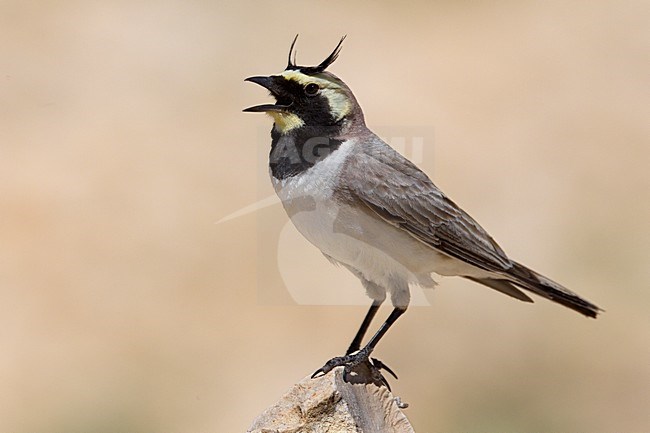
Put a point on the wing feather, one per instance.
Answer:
(401, 194)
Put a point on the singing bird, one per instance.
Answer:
(371, 210)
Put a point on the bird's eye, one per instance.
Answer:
(311, 89)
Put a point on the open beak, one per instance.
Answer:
(271, 84)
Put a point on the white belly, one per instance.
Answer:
(356, 237)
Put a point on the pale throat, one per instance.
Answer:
(285, 122)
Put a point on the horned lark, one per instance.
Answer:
(369, 209)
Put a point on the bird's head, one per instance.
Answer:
(308, 96)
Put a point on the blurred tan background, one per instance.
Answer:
(124, 307)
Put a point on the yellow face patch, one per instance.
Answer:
(336, 96)
(285, 122)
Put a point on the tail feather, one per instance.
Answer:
(502, 286)
(530, 280)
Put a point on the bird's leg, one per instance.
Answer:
(394, 315)
(356, 342)
(363, 355)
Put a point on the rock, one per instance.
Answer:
(330, 404)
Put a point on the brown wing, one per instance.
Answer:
(400, 193)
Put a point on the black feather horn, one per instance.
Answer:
(311, 70)
(292, 65)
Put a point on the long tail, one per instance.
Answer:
(530, 280)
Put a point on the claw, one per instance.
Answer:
(383, 380)
(352, 361)
(381, 366)
(332, 364)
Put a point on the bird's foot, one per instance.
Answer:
(381, 366)
(348, 362)
(360, 365)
